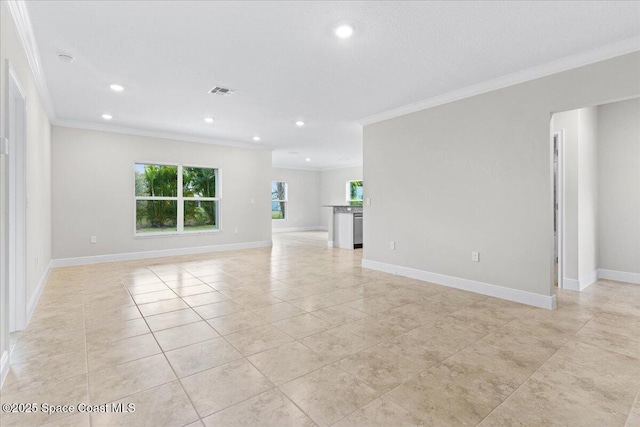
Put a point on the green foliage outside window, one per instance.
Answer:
(199, 182)
(356, 193)
(278, 199)
(158, 198)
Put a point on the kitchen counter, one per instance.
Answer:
(345, 227)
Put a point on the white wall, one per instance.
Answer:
(619, 186)
(588, 196)
(303, 205)
(333, 188)
(38, 170)
(569, 123)
(93, 192)
(579, 129)
(475, 175)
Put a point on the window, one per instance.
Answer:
(278, 200)
(173, 199)
(355, 192)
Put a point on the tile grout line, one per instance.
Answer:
(86, 346)
(333, 363)
(452, 355)
(166, 359)
(544, 363)
(636, 401)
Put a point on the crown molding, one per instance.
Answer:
(317, 169)
(570, 62)
(347, 166)
(296, 168)
(157, 134)
(20, 16)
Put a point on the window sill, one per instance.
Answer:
(176, 234)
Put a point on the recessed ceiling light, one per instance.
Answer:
(208, 119)
(256, 138)
(107, 116)
(299, 123)
(344, 31)
(116, 87)
(66, 57)
(307, 159)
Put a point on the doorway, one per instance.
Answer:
(558, 207)
(15, 190)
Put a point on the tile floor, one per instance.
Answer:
(300, 335)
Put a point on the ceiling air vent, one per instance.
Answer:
(223, 91)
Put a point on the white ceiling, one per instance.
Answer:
(286, 64)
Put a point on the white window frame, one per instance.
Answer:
(180, 199)
(286, 202)
(348, 191)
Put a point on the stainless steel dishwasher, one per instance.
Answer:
(357, 230)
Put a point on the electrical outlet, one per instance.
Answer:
(235, 230)
(368, 201)
(392, 245)
(4, 146)
(475, 256)
(253, 201)
(94, 239)
(37, 260)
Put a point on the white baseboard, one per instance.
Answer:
(330, 244)
(582, 284)
(66, 262)
(571, 284)
(621, 276)
(524, 297)
(294, 229)
(588, 280)
(4, 367)
(33, 302)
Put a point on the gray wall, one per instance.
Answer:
(475, 175)
(619, 186)
(303, 203)
(333, 188)
(93, 192)
(38, 170)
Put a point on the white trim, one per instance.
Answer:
(180, 200)
(570, 62)
(317, 169)
(16, 204)
(4, 367)
(33, 302)
(582, 284)
(97, 259)
(330, 244)
(20, 16)
(347, 166)
(295, 229)
(561, 205)
(102, 127)
(621, 276)
(524, 297)
(571, 284)
(589, 279)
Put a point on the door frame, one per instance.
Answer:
(16, 200)
(560, 183)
